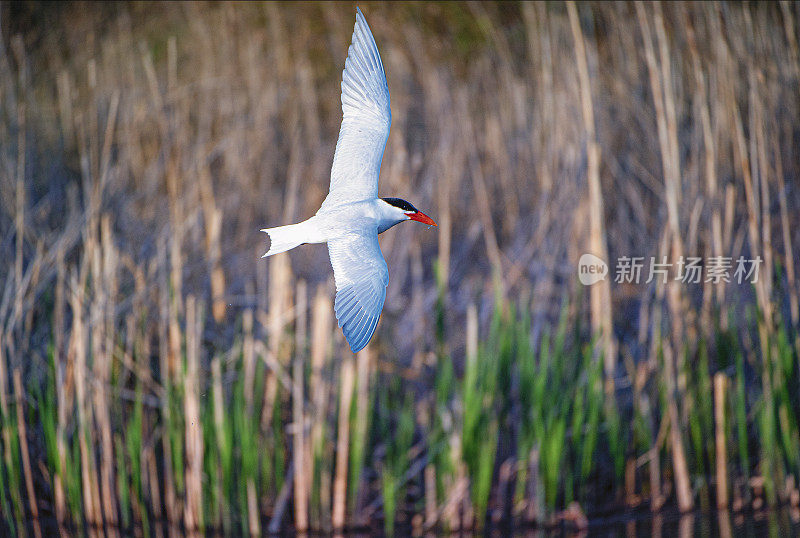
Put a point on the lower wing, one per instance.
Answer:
(361, 278)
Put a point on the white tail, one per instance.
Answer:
(285, 238)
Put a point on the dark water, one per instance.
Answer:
(776, 523)
(773, 523)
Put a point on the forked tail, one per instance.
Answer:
(283, 238)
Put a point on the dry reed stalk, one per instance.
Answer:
(342, 444)
(504, 69)
(717, 77)
(270, 392)
(193, 506)
(31, 281)
(467, 520)
(104, 282)
(742, 157)
(137, 507)
(61, 391)
(4, 416)
(724, 524)
(429, 478)
(450, 166)
(302, 480)
(788, 251)
(710, 162)
(654, 462)
(294, 170)
(680, 467)
(481, 193)
(686, 526)
(672, 187)
(759, 152)
(534, 497)
(538, 55)
(110, 267)
(450, 509)
(471, 355)
(727, 219)
(248, 357)
(657, 499)
(78, 349)
(749, 175)
(172, 178)
(92, 150)
(156, 500)
(416, 308)
(280, 297)
(505, 498)
(282, 501)
(19, 206)
(172, 65)
(280, 303)
(173, 320)
(758, 130)
(721, 451)
(670, 159)
(307, 100)
(283, 59)
(219, 429)
(325, 494)
(661, 86)
(142, 335)
(364, 367)
(321, 331)
(253, 516)
(758, 204)
(471, 351)
(212, 215)
(65, 104)
(631, 498)
(600, 294)
(496, 156)
(26, 458)
(791, 36)
(166, 328)
(546, 100)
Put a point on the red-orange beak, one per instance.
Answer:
(419, 216)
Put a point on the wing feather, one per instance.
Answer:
(366, 117)
(361, 278)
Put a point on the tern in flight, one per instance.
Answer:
(352, 215)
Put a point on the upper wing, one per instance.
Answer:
(361, 278)
(365, 121)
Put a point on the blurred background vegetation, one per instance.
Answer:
(157, 374)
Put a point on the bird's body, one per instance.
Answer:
(352, 215)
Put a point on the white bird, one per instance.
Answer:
(352, 215)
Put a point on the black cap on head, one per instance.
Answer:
(400, 203)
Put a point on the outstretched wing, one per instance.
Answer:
(366, 118)
(361, 278)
